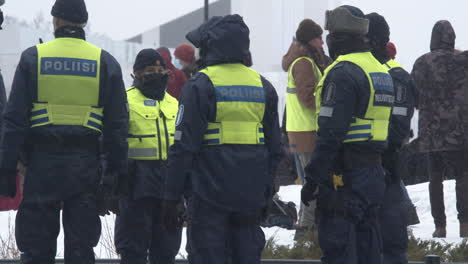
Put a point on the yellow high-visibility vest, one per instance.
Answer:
(298, 117)
(151, 127)
(373, 126)
(68, 84)
(240, 105)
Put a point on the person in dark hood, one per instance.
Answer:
(394, 212)
(354, 98)
(227, 136)
(56, 115)
(304, 63)
(441, 133)
(138, 228)
(177, 77)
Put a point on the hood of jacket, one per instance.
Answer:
(443, 36)
(222, 40)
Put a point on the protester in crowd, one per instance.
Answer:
(177, 77)
(304, 63)
(56, 115)
(441, 131)
(346, 166)
(394, 212)
(391, 50)
(185, 59)
(227, 135)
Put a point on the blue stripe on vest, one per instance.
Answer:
(358, 136)
(69, 66)
(94, 124)
(260, 130)
(96, 116)
(262, 140)
(211, 141)
(240, 93)
(212, 131)
(361, 127)
(39, 121)
(38, 112)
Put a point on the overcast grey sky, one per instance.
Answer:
(119, 19)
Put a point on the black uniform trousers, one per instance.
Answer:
(38, 225)
(139, 234)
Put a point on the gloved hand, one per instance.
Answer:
(7, 182)
(171, 217)
(308, 193)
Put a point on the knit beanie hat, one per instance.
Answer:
(307, 31)
(148, 57)
(379, 31)
(391, 49)
(185, 52)
(71, 10)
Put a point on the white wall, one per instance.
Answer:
(21, 37)
(272, 26)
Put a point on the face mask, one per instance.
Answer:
(153, 86)
(177, 64)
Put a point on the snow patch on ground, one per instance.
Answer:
(419, 195)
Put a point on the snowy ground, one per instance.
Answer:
(418, 193)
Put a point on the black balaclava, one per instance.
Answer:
(153, 85)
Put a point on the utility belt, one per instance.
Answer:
(351, 158)
(65, 144)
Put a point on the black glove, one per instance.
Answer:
(308, 193)
(171, 218)
(7, 182)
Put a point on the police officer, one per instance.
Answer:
(355, 98)
(227, 135)
(393, 214)
(66, 94)
(138, 229)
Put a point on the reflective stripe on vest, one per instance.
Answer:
(299, 117)
(397, 110)
(151, 127)
(240, 105)
(373, 126)
(392, 64)
(68, 84)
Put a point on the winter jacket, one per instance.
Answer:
(177, 77)
(350, 93)
(3, 97)
(460, 77)
(400, 122)
(63, 161)
(233, 177)
(306, 81)
(438, 100)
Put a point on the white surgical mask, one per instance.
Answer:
(177, 64)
